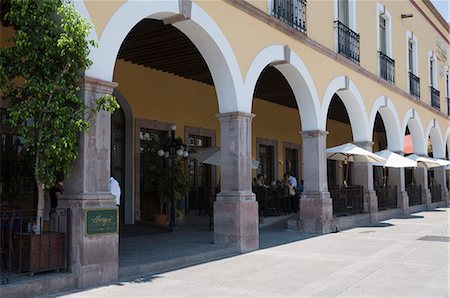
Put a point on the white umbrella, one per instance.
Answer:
(441, 162)
(394, 160)
(423, 162)
(351, 153)
(212, 156)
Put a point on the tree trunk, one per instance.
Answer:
(40, 208)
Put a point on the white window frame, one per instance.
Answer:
(411, 36)
(384, 13)
(351, 19)
(432, 81)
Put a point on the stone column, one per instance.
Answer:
(93, 257)
(236, 209)
(441, 179)
(397, 178)
(364, 176)
(316, 208)
(421, 177)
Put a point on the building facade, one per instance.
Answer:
(278, 81)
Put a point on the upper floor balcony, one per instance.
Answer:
(291, 12)
(414, 85)
(435, 98)
(387, 67)
(348, 42)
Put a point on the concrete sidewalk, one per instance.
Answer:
(402, 257)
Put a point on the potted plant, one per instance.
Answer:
(163, 188)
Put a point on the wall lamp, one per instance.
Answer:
(407, 15)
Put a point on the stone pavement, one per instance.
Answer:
(401, 257)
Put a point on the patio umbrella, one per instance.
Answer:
(212, 156)
(424, 162)
(393, 160)
(441, 162)
(351, 153)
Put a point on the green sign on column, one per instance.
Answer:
(101, 221)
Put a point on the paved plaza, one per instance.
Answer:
(400, 257)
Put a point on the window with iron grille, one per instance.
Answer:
(291, 12)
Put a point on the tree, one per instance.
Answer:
(39, 79)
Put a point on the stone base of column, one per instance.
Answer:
(426, 198)
(316, 213)
(236, 220)
(403, 202)
(444, 196)
(94, 258)
(372, 204)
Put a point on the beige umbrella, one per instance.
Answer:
(212, 156)
(393, 160)
(424, 162)
(351, 153)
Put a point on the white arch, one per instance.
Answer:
(354, 104)
(435, 134)
(295, 73)
(200, 29)
(447, 140)
(83, 11)
(388, 112)
(412, 120)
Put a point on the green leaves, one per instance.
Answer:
(39, 76)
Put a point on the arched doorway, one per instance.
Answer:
(283, 98)
(350, 185)
(415, 179)
(386, 135)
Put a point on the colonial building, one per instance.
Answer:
(278, 81)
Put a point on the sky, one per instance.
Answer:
(444, 8)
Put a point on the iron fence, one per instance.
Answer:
(348, 200)
(414, 85)
(275, 200)
(387, 197)
(348, 42)
(291, 12)
(435, 98)
(26, 251)
(436, 194)
(414, 194)
(387, 67)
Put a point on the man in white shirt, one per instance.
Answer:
(114, 187)
(291, 179)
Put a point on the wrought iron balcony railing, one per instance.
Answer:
(348, 41)
(435, 98)
(387, 67)
(291, 12)
(414, 85)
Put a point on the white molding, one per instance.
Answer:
(410, 35)
(413, 121)
(354, 104)
(385, 106)
(435, 134)
(200, 28)
(295, 73)
(387, 16)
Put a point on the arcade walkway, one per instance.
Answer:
(406, 256)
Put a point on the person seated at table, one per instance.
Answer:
(261, 180)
